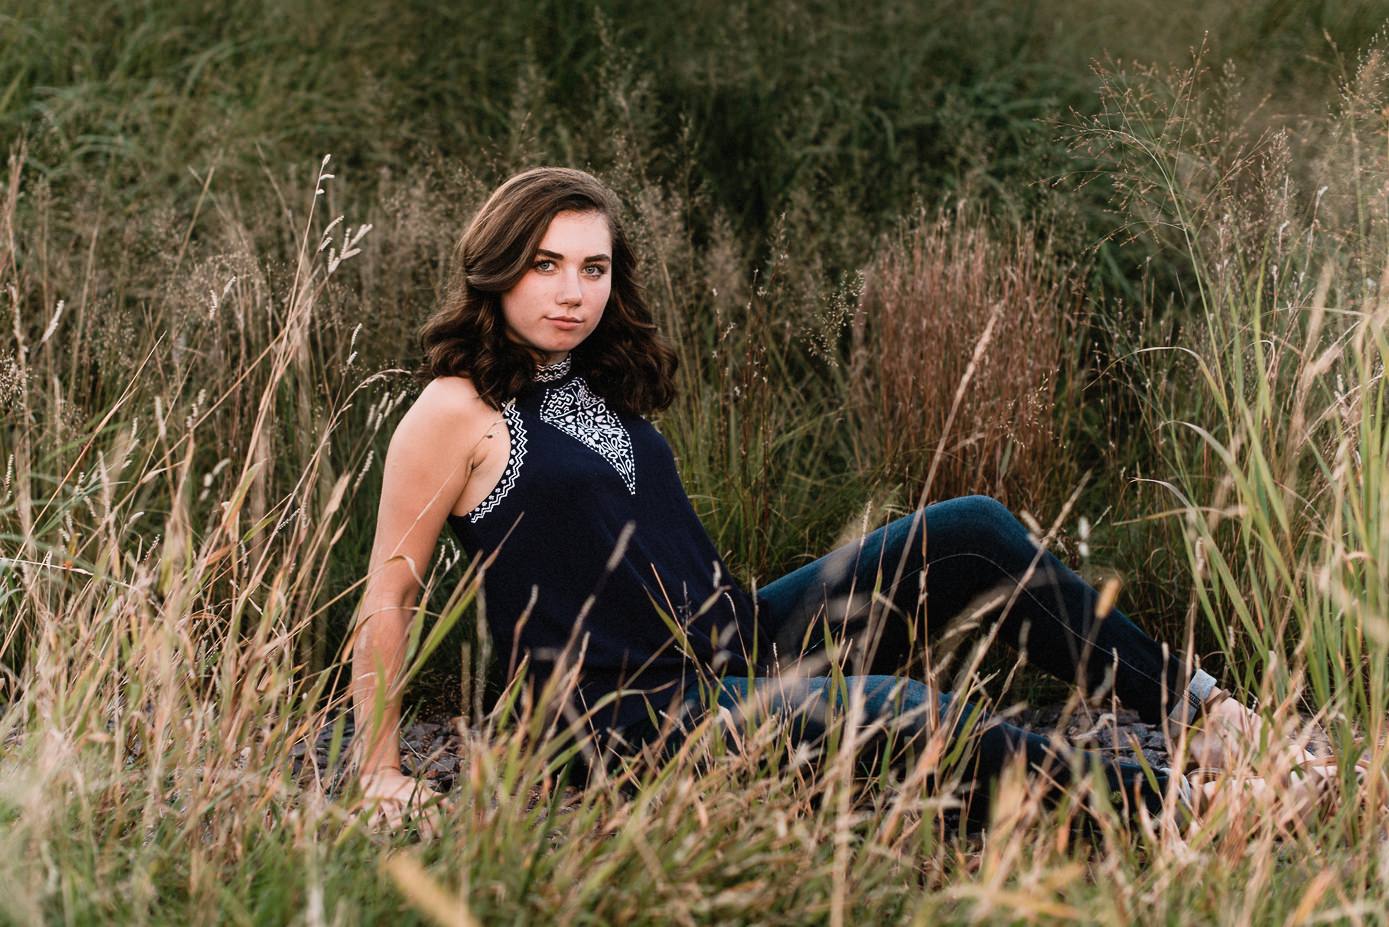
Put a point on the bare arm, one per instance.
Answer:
(426, 470)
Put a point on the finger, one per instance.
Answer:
(431, 825)
(431, 817)
(381, 819)
(389, 814)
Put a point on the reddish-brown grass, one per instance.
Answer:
(934, 379)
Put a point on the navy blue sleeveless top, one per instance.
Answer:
(592, 533)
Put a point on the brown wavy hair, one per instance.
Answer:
(624, 360)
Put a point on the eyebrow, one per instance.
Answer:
(560, 257)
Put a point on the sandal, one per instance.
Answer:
(1210, 737)
(1219, 738)
(1213, 739)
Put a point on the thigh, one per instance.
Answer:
(870, 595)
(812, 603)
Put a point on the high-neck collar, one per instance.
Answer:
(549, 372)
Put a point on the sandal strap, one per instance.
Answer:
(1184, 787)
(1186, 710)
(1196, 781)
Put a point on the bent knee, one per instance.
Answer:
(988, 508)
(974, 523)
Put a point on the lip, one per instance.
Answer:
(564, 323)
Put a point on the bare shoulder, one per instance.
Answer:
(429, 464)
(453, 389)
(452, 397)
(448, 414)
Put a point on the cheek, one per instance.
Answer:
(518, 298)
(602, 292)
(509, 307)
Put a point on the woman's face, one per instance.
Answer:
(557, 302)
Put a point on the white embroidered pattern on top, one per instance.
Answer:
(513, 462)
(580, 413)
(545, 374)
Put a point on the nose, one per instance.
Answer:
(569, 293)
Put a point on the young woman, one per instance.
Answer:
(530, 441)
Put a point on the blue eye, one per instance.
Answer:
(540, 265)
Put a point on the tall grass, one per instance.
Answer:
(191, 445)
(1269, 403)
(948, 304)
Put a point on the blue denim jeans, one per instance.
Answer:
(966, 560)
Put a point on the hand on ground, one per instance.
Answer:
(389, 796)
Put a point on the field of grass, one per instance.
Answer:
(1127, 275)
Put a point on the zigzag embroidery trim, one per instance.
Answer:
(554, 371)
(580, 413)
(513, 462)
